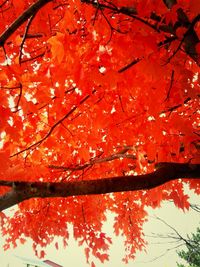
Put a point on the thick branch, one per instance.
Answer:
(166, 172)
(10, 199)
(32, 10)
(190, 39)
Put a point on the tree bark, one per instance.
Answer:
(165, 172)
(29, 12)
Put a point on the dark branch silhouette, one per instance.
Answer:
(28, 13)
(189, 40)
(21, 190)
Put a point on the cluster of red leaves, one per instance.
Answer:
(68, 101)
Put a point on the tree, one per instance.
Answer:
(177, 239)
(191, 256)
(96, 97)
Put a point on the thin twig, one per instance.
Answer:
(33, 58)
(93, 162)
(24, 37)
(170, 86)
(135, 61)
(19, 97)
(34, 145)
(130, 12)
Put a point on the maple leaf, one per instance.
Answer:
(57, 48)
(96, 98)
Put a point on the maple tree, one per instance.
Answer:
(96, 97)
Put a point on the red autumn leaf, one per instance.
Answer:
(89, 101)
(180, 32)
(87, 252)
(181, 201)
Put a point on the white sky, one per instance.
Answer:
(73, 255)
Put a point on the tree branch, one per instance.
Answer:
(94, 161)
(189, 41)
(165, 172)
(34, 145)
(29, 12)
(128, 11)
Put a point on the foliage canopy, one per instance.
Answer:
(90, 90)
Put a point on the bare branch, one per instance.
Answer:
(195, 207)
